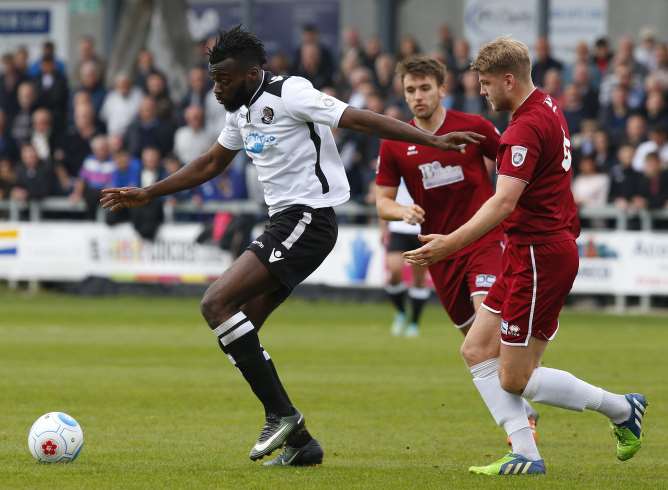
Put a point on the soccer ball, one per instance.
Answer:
(55, 437)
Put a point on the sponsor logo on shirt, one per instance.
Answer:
(411, 150)
(256, 142)
(267, 115)
(518, 153)
(258, 243)
(436, 175)
(327, 101)
(485, 280)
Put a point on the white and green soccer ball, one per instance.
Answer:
(55, 437)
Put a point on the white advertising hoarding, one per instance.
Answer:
(572, 21)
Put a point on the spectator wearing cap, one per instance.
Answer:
(543, 61)
(657, 143)
(121, 105)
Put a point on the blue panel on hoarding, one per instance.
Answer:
(278, 23)
(25, 21)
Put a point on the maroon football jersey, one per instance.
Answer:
(449, 185)
(536, 148)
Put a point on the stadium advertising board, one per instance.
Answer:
(33, 22)
(627, 263)
(572, 21)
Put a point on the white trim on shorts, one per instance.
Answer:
(533, 302)
(298, 230)
(466, 323)
(478, 293)
(496, 312)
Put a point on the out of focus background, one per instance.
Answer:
(96, 94)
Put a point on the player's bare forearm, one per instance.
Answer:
(389, 209)
(490, 214)
(392, 129)
(200, 170)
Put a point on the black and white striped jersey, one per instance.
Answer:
(285, 130)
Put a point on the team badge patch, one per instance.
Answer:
(518, 153)
(268, 115)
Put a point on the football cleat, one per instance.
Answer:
(511, 464)
(629, 434)
(533, 422)
(412, 331)
(398, 325)
(310, 454)
(274, 433)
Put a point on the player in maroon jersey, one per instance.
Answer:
(533, 200)
(447, 188)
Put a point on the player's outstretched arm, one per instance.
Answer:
(494, 211)
(390, 210)
(389, 128)
(200, 170)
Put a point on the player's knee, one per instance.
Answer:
(513, 382)
(472, 353)
(215, 310)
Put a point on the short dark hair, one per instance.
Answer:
(239, 44)
(422, 66)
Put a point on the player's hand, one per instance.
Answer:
(435, 248)
(413, 214)
(457, 140)
(118, 198)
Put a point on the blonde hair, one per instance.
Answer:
(504, 55)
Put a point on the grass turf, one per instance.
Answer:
(161, 406)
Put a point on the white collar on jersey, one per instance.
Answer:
(259, 87)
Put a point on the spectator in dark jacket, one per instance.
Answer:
(52, 89)
(34, 178)
(653, 184)
(149, 130)
(624, 181)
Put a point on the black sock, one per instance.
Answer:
(419, 297)
(240, 342)
(397, 294)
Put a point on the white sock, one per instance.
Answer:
(506, 408)
(562, 389)
(530, 411)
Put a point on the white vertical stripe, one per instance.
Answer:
(518, 467)
(639, 405)
(508, 469)
(533, 294)
(229, 356)
(241, 330)
(266, 355)
(526, 467)
(297, 232)
(229, 323)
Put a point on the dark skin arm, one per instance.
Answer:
(389, 128)
(200, 170)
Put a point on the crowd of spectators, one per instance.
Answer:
(71, 136)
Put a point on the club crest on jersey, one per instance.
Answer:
(256, 142)
(518, 153)
(267, 115)
(485, 280)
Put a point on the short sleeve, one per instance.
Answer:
(520, 150)
(307, 104)
(490, 146)
(230, 136)
(387, 170)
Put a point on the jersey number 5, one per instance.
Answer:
(568, 160)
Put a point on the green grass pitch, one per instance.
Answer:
(162, 407)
